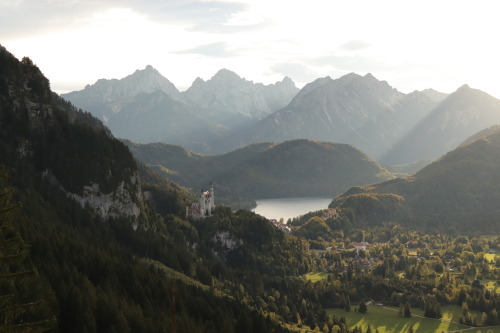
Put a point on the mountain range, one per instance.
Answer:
(228, 112)
(145, 107)
(391, 127)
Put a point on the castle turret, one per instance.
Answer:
(205, 205)
(212, 197)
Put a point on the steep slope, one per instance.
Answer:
(39, 129)
(459, 116)
(156, 117)
(228, 92)
(460, 191)
(361, 111)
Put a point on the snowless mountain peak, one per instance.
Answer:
(227, 91)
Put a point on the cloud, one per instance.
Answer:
(354, 63)
(213, 50)
(354, 45)
(29, 17)
(192, 13)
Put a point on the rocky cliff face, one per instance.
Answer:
(118, 203)
(46, 138)
(226, 91)
(103, 98)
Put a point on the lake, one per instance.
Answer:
(289, 207)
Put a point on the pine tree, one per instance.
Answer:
(22, 307)
(362, 307)
(407, 310)
(347, 304)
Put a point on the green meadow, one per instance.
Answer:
(315, 276)
(387, 320)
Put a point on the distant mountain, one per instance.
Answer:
(434, 95)
(290, 169)
(228, 112)
(228, 92)
(145, 107)
(100, 97)
(157, 117)
(460, 191)
(480, 135)
(460, 115)
(302, 168)
(358, 110)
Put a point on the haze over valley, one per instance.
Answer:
(321, 167)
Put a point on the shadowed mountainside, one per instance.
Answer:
(458, 191)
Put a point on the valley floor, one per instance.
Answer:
(387, 320)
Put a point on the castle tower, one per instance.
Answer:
(202, 201)
(205, 205)
(212, 197)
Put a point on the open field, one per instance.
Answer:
(491, 285)
(491, 257)
(387, 320)
(316, 276)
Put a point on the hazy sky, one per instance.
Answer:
(412, 45)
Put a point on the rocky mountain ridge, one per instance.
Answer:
(226, 91)
(354, 109)
(228, 112)
(146, 107)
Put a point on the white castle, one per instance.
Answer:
(205, 205)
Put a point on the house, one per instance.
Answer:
(360, 246)
(280, 225)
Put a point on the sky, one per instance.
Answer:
(413, 45)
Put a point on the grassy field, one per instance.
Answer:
(316, 276)
(388, 321)
(491, 257)
(491, 285)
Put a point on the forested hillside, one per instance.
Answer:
(267, 170)
(97, 272)
(457, 192)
